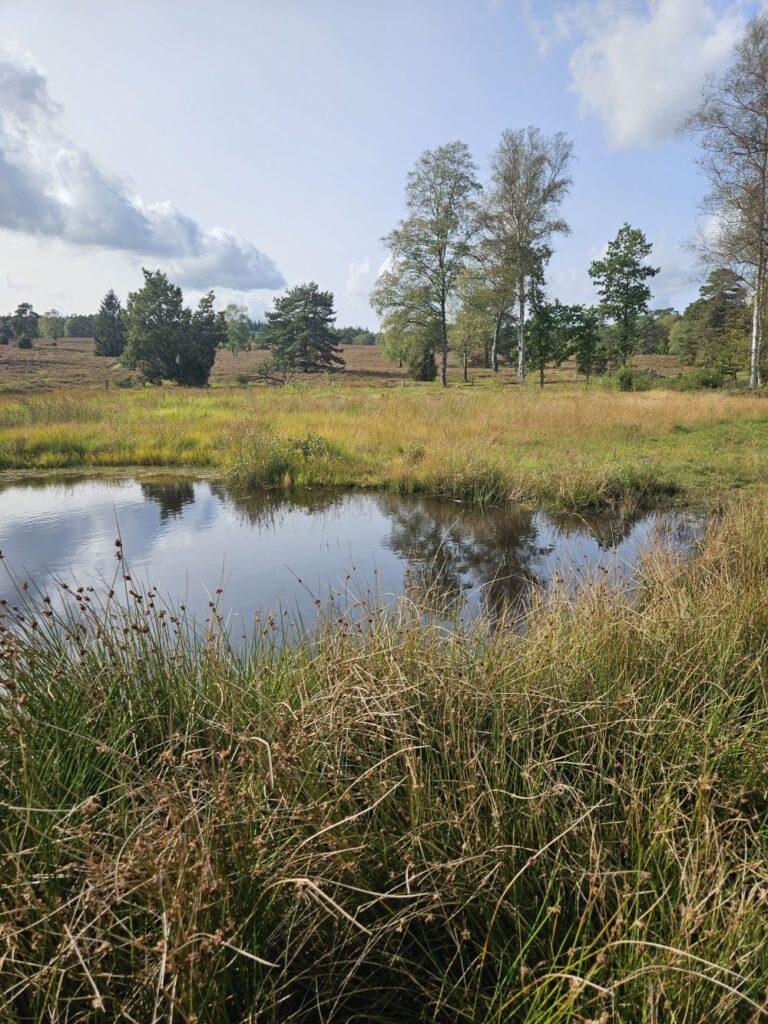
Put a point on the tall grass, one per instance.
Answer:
(389, 822)
(572, 449)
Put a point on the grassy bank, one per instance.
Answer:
(566, 447)
(399, 826)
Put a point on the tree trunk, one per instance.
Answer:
(541, 374)
(754, 359)
(521, 332)
(466, 378)
(495, 349)
(444, 354)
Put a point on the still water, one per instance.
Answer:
(268, 552)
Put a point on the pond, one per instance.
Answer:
(189, 538)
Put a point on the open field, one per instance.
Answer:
(71, 363)
(400, 825)
(567, 447)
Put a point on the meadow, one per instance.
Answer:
(395, 823)
(566, 446)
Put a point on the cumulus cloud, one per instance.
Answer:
(51, 187)
(362, 276)
(359, 279)
(639, 65)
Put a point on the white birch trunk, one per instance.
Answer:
(521, 334)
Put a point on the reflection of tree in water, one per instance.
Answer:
(608, 529)
(450, 549)
(266, 509)
(172, 496)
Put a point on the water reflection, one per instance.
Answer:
(189, 537)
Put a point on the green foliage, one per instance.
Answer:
(301, 336)
(206, 333)
(357, 336)
(471, 335)
(414, 342)
(548, 335)
(79, 326)
(156, 327)
(421, 354)
(620, 278)
(431, 247)
(586, 337)
(165, 341)
(238, 328)
(629, 379)
(109, 327)
(51, 325)
(653, 330)
(25, 325)
(714, 331)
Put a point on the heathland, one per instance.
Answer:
(567, 446)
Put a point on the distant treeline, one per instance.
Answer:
(25, 324)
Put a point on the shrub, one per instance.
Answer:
(629, 379)
(24, 343)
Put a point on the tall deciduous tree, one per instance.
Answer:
(238, 328)
(300, 335)
(51, 325)
(620, 278)
(430, 248)
(109, 327)
(531, 175)
(732, 124)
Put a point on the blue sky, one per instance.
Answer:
(244, 144)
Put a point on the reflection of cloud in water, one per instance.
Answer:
(270, 549)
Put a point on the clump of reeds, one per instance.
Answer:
(392, 822)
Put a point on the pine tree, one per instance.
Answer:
(25, 324)
(109, 327)
(300, 331)
(620, 278)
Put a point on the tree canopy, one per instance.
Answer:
(301, 335)
(109, 327)
(165, 341)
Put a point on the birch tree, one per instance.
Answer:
(732, 126)
(430, 247)
(530, 178)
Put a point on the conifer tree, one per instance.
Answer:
(300, 331)
(109, 327)
(156, 326)
(207, 332)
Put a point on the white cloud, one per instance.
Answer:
(359, 279)
(51, 187)
(638, 65)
